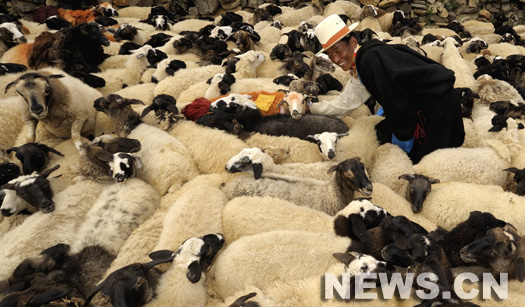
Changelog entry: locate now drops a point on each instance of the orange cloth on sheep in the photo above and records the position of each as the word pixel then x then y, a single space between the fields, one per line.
pixel 78 16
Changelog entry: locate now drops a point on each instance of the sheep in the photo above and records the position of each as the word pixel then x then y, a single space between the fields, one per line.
pixel 49 100
pixel 219 85
pixel 34 189
pixel 119 78
pixel 174 154
pixel 244 216
pixel 184 78
pixel 10 121
pixel 34 234
pixel 472 165
pixel 337 193
pixel 10 35
pixel 418 188
pixel 295 17
pixel 34 156
pixel 125 280
pixel 131 33
pixel 357 217
pixel 188 272
pixel 388 163
pixel 297 150
pixel 501 249
pixel 107 159
pixel 492 90
pixel 452 60
pixel 247 64
pixel 282 249
pixel 202 140
pixel 461 198
pixel 516 183
pixel 118 210
pixel 256 161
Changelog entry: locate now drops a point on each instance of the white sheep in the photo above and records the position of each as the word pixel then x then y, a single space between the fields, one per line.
pixel 388 163
pixel 129 75
pixel 260 259
pixel 138 12
pixel 453 60
pixel 478 28
pixel 184 283
pixel 254 160
pixel 482 165
pixel 247 65
pixel 245 216
pixel 298 151
pixel 184 78
pixel 190 25
pixel 200 141
pixel 292 18
pixel 119 209
pixel 40 231
pixel 195 213
pixel 61 102
pixel 167 162
pixel 492 90
pixel 10 121
pixel 451 203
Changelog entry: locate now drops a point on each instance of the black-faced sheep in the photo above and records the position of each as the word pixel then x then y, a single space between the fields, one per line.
pixel 418 188
pixel 34 189
pixel 502 249
pixel 357 217
pixel 517 182
pixel 34 156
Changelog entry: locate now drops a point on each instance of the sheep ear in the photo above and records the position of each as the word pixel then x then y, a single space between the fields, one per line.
pixel 344 258
pixel 47 297
pixel 341 226
pixel 257 170
pixel 358 227
pixel 8 151
pixel 56 76
pixel 94 292
pixel 240 302
pixel 49 171
pixel 160 254
pixel 333 169
pixel 146 111
pixel 407 177
pixel 312 138
pixel 194 272
pixel 510 169
pixel 135 101
pixel 7 186
pixel 432 180
pixel 104 156
pixel 340 135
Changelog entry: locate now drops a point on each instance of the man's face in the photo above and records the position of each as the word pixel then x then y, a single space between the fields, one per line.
pixel 342 54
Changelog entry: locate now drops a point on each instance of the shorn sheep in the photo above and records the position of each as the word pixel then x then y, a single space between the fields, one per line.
pixel 62 103
pixel 328 196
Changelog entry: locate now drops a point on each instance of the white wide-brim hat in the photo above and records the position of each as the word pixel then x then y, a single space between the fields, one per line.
pixel 331 30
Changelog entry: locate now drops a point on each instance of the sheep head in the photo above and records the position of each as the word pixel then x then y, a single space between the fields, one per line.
pixel 296 104
pixel 37 91
pixel 357 217
pixel 502 249
pixel 34 156
pixel 419 187
pixel 34 189
pixel 249 160
pixel 352 176
pixel 327 142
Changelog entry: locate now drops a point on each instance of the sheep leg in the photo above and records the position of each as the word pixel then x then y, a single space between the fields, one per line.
pixel 76 129
pixel 31 128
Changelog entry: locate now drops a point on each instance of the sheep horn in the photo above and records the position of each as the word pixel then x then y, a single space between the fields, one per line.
pixel 10 85
pixel 146 111
pixel 520 257
pixel 406 177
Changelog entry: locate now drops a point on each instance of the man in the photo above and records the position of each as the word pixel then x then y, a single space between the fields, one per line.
pixel 421 108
